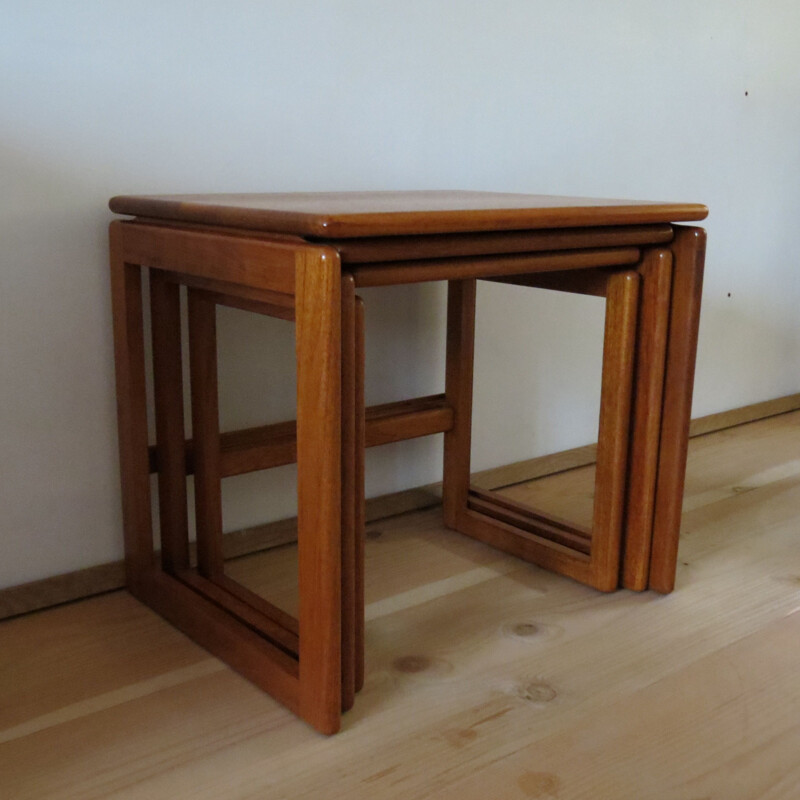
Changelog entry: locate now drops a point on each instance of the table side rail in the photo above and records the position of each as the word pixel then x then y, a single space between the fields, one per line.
pixel 417 271
pixel 442 245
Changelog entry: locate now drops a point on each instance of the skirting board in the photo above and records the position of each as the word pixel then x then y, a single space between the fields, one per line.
pixel 38 595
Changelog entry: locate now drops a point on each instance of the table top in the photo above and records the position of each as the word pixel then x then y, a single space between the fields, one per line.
pixel 328 215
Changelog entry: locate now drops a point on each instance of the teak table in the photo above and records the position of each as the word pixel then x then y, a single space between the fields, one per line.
pixel 301 258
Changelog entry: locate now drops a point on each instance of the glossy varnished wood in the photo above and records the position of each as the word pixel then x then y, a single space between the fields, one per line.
pixel 260 301
pixel 232 640
pixel 407 419
pixel 298 662
pixel 247 607
pixel 404 248
pixel 351 496
pixel 258 263
pixel 275 445
pixel 165 316
pixel 245 251
pixel 688 252
pixel 486 678
pixel 543 525
pixel 524 531
pixel 129 360
pixel 348 214
pixel 589 282
pixel 205 426
pixel 651 340
pixel 656 272
pixel 394 273
pixel 359 498
pixel 92 581
pixel 318 332
pixel 619 348
pixel 460 351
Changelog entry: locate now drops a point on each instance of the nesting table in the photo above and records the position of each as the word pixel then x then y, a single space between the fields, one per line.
pixel 301 258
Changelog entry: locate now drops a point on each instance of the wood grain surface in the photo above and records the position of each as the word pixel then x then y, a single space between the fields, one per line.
pixel 165 318
pixel 688 254
pixel 205 426
pixel 91 581
pixel 319 501
pixel 651 350
pixel 346 214
pixel 485 677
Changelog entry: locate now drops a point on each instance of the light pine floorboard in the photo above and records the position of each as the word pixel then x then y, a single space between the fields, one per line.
pixel 486 677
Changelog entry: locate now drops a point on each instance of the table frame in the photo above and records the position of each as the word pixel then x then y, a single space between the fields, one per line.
pixel 314 665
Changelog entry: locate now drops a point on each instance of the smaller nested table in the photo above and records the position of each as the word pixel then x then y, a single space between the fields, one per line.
pixel 301 258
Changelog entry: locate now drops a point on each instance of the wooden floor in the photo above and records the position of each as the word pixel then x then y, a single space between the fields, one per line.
pixel 487 678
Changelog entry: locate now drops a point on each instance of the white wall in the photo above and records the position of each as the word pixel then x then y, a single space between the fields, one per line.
pixel 681 100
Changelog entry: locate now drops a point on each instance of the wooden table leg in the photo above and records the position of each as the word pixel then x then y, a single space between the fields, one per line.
pixel 205 433
pixel 460 353
pixel 299 663
pixel 126 297
pixel 613 435
pixel 656 272
pixel 590 556
pixel 359 523
pixel 318 332
pixel 350 498
pixel 165 315
pixel 353 447
pixel 688 251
